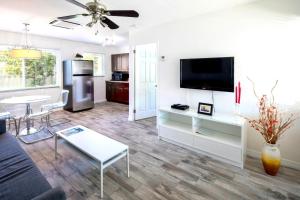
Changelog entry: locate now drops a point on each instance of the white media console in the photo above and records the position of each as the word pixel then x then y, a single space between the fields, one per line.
pixel 220 136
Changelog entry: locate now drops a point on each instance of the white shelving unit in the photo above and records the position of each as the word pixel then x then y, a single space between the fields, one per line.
pixel 221 136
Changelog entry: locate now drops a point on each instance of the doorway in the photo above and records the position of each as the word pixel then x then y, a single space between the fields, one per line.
pixel 145 81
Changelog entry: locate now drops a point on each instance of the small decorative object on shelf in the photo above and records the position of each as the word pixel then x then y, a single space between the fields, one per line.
pixel 271 124
pixel 205 108
pixel 238 93
pixel 180 106
pixel 79 56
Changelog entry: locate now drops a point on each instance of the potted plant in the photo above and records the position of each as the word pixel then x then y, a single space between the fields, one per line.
pixel 271 124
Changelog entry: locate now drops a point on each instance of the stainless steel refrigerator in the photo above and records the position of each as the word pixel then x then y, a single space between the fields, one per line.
pixel 78 79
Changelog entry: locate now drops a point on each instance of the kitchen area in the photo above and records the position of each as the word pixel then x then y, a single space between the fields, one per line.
pixel 117 89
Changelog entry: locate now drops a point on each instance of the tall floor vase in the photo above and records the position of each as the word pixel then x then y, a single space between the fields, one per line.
pixel 271 158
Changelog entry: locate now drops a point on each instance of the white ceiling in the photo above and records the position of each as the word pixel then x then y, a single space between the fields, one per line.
pixel 40 12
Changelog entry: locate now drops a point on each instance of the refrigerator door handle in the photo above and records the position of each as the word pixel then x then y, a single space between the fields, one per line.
pixel 92 88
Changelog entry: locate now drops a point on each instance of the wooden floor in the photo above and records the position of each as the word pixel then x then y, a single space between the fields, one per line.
pixel 159 170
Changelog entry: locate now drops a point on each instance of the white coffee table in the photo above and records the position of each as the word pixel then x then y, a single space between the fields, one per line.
pixel 101 148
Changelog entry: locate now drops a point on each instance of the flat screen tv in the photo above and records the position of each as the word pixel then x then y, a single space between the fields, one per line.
pixel 208 73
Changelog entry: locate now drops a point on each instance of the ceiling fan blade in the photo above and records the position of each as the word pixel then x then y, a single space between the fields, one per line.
pixel 71 16
pixel 68 17
pixel 78 4
pixel 109 23
pixel 122 13
pixel 52 22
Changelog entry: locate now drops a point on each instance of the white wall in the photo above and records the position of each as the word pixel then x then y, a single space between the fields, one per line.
pixel 67 49
pixel 264 39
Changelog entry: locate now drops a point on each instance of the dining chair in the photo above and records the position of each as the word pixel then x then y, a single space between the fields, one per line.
pixel 42 132
pixel 62 101
pixel 4 115
pixel 38 115
pixel 17 114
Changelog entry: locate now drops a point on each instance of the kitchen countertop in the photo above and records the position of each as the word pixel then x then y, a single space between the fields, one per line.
pixel 119 81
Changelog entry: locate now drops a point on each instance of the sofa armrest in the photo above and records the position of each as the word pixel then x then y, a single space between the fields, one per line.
pixel 53 194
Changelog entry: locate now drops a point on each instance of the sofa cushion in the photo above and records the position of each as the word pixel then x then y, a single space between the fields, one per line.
pixel 20 179
pixel 53 194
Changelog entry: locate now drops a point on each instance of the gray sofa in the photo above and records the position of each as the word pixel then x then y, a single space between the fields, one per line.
pixel 20 179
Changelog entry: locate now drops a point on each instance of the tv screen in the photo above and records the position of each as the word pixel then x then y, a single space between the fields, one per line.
pixel 208 73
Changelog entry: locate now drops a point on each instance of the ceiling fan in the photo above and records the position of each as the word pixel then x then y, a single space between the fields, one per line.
pixel 99 13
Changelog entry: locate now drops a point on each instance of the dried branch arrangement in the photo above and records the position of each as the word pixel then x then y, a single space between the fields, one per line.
pixel 271 124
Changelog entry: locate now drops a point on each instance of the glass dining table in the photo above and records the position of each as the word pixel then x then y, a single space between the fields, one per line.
pixel 28 101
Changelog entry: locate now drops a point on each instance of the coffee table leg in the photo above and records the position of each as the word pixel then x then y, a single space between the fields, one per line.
pixel 101 180
pixel 55 146
pixel 127 163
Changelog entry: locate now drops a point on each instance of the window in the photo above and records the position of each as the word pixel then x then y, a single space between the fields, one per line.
pixel 98 62
pixel 26 73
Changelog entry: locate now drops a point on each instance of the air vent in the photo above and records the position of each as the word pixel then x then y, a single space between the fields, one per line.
pixel 64 24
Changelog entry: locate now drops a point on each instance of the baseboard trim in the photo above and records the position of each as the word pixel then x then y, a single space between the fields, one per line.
pixel 284 162
pixel 130 117
pixel 100 101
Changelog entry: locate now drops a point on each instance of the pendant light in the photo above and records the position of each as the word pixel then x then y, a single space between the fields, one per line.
pixel 26 52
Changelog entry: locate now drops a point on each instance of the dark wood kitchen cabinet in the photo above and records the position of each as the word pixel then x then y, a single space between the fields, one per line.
pixel 117 91
pixel 120 62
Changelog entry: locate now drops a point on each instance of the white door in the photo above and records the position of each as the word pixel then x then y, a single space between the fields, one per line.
pixel 145 81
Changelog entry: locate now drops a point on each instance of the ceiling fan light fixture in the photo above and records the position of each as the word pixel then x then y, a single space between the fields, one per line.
pixel 109 41
pixel 90 24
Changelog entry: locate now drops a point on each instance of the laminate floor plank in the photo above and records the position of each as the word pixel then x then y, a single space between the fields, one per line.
pixel 159 170
pixel 147 193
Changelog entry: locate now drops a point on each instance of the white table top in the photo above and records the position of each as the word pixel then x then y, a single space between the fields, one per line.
pixel 25 99
pixel 94 144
